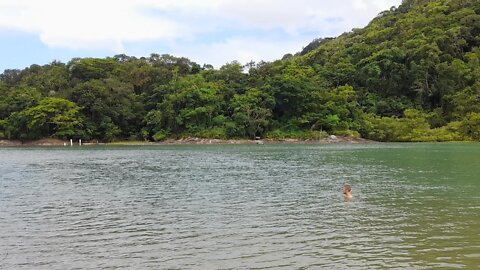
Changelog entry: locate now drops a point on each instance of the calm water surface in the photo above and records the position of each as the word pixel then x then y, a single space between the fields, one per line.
pixel 416 206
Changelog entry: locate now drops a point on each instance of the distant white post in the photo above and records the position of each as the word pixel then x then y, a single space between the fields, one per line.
pixel 71 142
pixel 80 142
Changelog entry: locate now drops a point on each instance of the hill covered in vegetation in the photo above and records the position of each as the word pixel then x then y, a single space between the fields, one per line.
pixel 413 74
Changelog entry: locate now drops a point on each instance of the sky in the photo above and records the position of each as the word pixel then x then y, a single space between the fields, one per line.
pixel 206 31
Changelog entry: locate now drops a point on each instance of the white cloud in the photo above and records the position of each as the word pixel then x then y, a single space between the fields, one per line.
pixel 86 23
pixel 240 49
pixel 360 4
pixel 109 24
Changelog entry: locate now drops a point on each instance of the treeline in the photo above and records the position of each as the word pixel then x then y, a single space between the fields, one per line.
pixel 413 74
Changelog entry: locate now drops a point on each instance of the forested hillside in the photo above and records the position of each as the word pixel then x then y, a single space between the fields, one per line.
pixel 413 74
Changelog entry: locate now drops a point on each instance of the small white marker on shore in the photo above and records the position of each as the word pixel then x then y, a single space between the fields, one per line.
pixel 80 142
pixel 71 142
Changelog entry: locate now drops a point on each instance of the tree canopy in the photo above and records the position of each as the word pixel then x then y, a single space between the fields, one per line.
pixel 412 74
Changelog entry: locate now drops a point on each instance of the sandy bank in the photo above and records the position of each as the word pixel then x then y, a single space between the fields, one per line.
pixel 10 143
pixel 42 142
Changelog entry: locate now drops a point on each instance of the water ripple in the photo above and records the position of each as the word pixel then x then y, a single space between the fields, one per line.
pixel 233 207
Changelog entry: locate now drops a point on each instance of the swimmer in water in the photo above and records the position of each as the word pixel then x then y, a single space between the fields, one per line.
pixel 347 191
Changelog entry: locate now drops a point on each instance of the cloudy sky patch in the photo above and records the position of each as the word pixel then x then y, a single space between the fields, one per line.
pixel 206 31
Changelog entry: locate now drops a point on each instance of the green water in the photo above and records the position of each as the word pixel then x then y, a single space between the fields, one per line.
pixel 415 206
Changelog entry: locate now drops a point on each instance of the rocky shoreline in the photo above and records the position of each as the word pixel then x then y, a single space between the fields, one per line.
pixel 42 142
pixel 193 141
pixel 330 140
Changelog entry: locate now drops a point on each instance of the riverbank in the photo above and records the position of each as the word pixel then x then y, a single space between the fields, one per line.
pixel 329 140
pixel 193 141
pixel 42 142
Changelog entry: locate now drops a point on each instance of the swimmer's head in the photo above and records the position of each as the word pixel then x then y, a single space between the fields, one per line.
pixel 347 188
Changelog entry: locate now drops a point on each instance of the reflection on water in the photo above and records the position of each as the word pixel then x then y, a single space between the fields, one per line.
pixel 228 207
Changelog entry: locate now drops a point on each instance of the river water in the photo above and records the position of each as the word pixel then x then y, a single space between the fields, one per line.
pixel 415 206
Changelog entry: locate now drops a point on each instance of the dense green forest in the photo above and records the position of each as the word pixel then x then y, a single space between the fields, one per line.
pixel 413 74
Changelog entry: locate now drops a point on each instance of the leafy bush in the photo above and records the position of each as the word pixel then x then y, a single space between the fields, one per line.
pixel 160 136
pixel 347 133
pixel 3 126
pixel 297 134
pixel 470 126
pixel 413 127
pixel 213 133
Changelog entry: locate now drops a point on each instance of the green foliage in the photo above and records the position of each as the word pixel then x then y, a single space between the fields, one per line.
pixel 49 80
pixel 17 99
pixel 55 117
pixel 252 111
pixel 111 108
pixel 278 134
pixel 91 68
pixel 413 127
pixel 213 133
pixel 470 126
pixel 189 105
pixel 314 45
pixel 293 89
pixel 466 101
pixel 333 110
pixel 413 74
pixel 160 136
pixel 348 133
pixel 3 128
